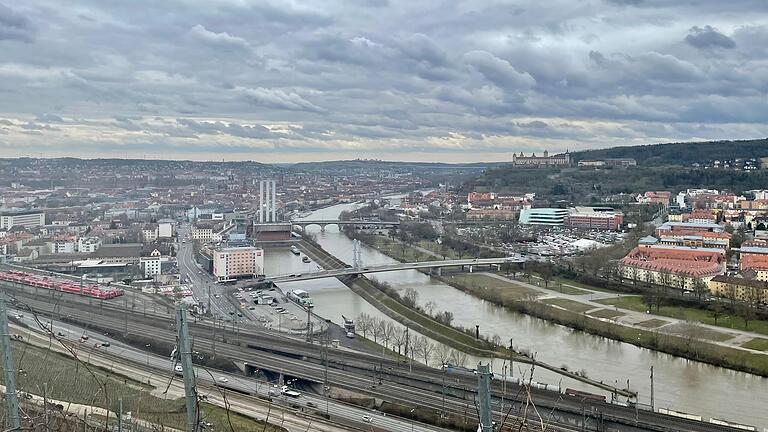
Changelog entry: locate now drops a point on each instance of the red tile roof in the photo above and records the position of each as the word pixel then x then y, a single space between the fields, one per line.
pixel 753 261
pixel 696 263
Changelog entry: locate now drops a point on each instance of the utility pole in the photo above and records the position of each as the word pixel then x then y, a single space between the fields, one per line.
pixel 9 370
pixel 326 387
pixel 214 336
pixel 185 353
pixel 125 313
pixel 120 415
pixel 484 394
pixel 309 321
pixel 652 406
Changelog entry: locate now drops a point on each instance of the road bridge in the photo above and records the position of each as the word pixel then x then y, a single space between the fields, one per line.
pixel 469 263
pixel 357 223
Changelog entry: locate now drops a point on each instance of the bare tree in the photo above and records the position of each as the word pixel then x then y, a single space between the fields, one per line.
pixel 398 339
pixel 546 271
pixel 700 288
pixel 496 340
pixel 389 331
pixel 364 322
pixel 442 353
pixel 378 328
pixel 410 297
pixel 459 358
pixel 425 349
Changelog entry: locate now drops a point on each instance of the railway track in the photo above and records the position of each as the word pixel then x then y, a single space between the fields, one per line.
pixel 346 369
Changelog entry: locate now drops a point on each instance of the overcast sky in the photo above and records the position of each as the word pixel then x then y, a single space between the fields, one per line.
pixel 433 80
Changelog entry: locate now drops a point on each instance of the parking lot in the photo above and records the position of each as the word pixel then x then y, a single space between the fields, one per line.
pixel 272 309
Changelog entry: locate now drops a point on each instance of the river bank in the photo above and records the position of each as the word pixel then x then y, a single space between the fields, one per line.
pixel 688 347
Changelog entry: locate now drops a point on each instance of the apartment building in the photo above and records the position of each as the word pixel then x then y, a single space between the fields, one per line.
pixel 88 244
pixel 739 288
pixel 672 266
pixel 202 232
pixel 149 233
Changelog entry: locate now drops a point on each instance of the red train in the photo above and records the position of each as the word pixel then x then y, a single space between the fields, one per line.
pixel 63 285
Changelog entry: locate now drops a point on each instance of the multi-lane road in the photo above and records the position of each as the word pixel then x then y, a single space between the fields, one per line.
pixel 377 377
pixel 351 416
pixel 201 282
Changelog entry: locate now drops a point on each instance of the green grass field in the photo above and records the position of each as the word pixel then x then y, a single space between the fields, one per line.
pixel 607 313
pixel 570 305
pixel 652 323
pixel 506 290
pixel 758 344
pixel 635 303
pixel 696 331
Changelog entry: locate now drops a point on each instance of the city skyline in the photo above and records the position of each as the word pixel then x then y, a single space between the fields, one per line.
pixel 290 82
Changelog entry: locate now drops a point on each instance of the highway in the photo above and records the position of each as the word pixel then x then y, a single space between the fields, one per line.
pixel 162 369
pixel 360 372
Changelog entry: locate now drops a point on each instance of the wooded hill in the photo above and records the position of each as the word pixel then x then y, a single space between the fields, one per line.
pixel 681 153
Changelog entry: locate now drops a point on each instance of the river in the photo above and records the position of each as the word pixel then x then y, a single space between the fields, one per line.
pixel 680 384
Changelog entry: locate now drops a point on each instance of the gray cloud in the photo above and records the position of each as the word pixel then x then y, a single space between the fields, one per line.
pixel 707 37
pixel 14 26
pixel 390 77
pixel 220 40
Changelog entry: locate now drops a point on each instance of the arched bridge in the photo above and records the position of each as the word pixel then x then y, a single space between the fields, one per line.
pixel 470 263
pixel 358 223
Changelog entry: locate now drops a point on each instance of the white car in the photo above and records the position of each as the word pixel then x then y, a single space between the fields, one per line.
pixel 223 379
pixel 367 419
pixel 178 368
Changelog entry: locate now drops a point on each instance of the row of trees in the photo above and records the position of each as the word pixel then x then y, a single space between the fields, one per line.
pixel 399 339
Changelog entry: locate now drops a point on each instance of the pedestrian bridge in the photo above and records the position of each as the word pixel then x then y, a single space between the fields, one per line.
pixel 347 271
pixel 359 223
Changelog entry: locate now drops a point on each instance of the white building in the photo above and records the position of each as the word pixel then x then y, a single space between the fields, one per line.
pixel 152 264
pixel 680 200
pixel 88 244
pixel 202 233
pixel 149 233
pixel 62 246
pixel 166 228
pixel 26 219
pixel 237 262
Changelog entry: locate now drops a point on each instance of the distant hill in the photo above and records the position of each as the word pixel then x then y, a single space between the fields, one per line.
pixel 681 153
pixel 381 164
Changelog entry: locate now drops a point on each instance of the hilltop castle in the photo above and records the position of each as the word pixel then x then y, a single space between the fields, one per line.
pixel 562 159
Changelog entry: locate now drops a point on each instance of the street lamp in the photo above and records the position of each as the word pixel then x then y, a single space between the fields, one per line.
pixel 412 411
pixel 148 345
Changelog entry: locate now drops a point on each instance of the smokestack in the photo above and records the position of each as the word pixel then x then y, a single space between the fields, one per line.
pixel 261 201
pixel 274 207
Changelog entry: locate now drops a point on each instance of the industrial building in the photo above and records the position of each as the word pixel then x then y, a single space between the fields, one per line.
pixel 267 227
pixel 26 219
pixel 603 218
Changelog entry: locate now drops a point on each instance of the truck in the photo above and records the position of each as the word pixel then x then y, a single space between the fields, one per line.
pixel 300 297
pixel 285 391
pixel 349 327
